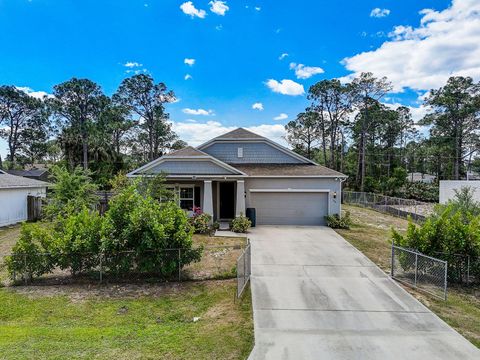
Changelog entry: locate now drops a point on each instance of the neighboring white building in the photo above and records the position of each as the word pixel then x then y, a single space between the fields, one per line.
pixel 448 187
pixel 13 196
pixel 419 177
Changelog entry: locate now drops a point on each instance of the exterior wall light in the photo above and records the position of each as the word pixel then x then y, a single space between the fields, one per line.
pixel 334 194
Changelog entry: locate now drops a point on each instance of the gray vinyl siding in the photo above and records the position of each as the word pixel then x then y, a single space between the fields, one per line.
pixel 176 167
pixel 253 153
pixel 298 183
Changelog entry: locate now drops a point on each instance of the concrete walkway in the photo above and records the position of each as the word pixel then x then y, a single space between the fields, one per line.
pixel 316 297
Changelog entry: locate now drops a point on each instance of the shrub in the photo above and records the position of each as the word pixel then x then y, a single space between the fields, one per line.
pixel 72 192
pixel 339 222
pixel 240 224
pixel 139 232
pixel 201 223
pixel 77 245
pixel 420 191
pixel 30 255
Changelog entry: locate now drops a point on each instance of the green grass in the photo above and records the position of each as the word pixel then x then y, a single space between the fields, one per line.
pixel 371 234
pixel 158 325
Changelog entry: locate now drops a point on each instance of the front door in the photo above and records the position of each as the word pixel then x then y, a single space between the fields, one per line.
pixel 227 200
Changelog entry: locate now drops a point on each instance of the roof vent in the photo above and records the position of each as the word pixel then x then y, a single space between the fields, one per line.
pixel 240 152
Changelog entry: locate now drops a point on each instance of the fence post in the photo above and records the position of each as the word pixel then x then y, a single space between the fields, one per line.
pixel 179 266
pixel 101 267
pixel 25 267
pixel 416 268
pixel 244 267
pixel 392 261
pixel 468 269
pixel 445 282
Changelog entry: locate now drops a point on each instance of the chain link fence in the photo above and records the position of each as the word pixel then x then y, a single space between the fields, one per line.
pixel 418 211
pixel 216 262
pixel 420 271
pixel 244 268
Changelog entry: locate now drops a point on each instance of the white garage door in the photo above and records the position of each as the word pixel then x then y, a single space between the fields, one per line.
pixel 290 208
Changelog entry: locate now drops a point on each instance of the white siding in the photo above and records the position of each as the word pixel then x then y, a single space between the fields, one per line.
pixel 448 187
pixel 13 204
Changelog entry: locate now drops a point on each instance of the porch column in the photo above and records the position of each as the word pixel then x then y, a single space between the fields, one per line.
pixel 240 203
pixel 207 197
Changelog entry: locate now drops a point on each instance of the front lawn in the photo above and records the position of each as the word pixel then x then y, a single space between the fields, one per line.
pixel 371 234
pixel 176 321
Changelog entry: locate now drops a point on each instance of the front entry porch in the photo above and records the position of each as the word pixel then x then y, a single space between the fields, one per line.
pixel 224 199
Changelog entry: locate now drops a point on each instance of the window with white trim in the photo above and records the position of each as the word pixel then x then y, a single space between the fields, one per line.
pixel 186 197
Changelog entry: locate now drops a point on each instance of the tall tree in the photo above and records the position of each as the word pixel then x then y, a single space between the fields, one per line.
pixel 369 90
pixel 333 102
pixel 77 104
pixel 303 133
pixel 18 112
pixel 456 110
pixel 146 101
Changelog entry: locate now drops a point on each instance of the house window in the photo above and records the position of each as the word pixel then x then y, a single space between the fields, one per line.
pixel 186 198
pixel 240 152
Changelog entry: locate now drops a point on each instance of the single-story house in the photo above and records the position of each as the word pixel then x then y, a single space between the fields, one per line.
pixel 416 177
pixel 240 170
pixel 40 174
pixel 14 191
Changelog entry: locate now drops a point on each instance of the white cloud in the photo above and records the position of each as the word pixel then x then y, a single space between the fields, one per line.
pixel 198 111
pixel 132 64
pixel 257 106
pixel 219 27
pixel 188 77
pixel 189 9
pixel 281 116
pixel 446 43
pixel 379 13
pixel 189 62
pixel 258 8
pixel 285 87
pixel 305 72
pixel 196 133
pixel 283 56
pixel 32 93
pixel 218 7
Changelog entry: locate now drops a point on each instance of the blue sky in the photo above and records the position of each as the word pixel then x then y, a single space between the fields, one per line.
pixel 237 48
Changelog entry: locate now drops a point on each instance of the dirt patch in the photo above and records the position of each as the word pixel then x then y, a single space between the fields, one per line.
pixel 81 292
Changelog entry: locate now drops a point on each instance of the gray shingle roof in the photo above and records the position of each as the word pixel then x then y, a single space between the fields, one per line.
pixel 240 133
pixel 27 173
pixel 187 151
pixel 287 170
pixel 8 181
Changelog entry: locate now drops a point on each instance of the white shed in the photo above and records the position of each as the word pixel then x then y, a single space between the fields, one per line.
pixel 14 191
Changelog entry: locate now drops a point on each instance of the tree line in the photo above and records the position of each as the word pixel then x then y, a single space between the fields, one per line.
pixel 81 126
pixel 347 128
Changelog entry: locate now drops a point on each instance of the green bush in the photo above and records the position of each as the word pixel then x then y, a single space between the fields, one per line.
pixel 139 234
pixel 240 224
pixel 77 245
pixel 339 222
pixel 30 255
pixel 201 223
pixel 136 234
pixel 420 191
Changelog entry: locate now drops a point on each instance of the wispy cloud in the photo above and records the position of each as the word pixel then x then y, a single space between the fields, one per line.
pixel 218 7
pixel 132 64
pixel 33 93
pixel 189 62
pixel 257 106
pixel 187 77
pixel 198 112
pixel 379 13
pixel 305 72
pixel 280 117
pixel 285 87
pixel 189 9
pixel 282 56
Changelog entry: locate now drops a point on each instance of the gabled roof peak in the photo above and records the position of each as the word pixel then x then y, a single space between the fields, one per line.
pixel 186 151
pixel 239 133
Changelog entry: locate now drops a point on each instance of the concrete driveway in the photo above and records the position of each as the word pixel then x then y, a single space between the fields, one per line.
pixel 317 297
